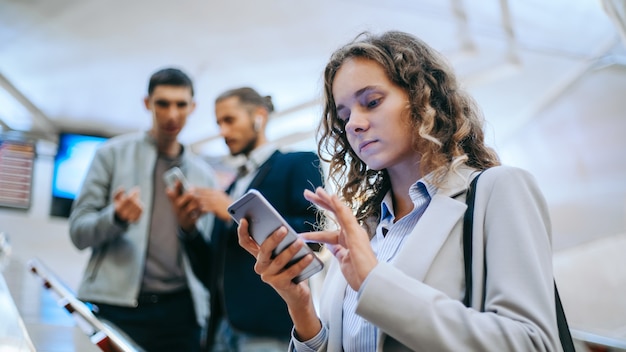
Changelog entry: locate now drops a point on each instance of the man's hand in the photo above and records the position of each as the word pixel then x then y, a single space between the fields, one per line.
pixel 213 201
pixel 128 207
pixel 186 207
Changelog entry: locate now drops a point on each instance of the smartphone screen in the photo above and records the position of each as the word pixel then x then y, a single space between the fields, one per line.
pixel 263 219
pixel 175 174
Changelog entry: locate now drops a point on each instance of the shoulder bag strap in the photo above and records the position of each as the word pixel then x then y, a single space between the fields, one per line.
pixel 468 219
pixel 564 332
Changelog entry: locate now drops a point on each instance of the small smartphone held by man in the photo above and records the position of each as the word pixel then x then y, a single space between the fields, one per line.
pixel 175 174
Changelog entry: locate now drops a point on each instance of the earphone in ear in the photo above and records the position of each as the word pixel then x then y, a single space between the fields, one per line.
pixel 257 122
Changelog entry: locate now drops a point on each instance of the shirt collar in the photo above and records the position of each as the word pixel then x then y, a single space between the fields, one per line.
pixel 259 156
pixel 150 139
pixel 420 189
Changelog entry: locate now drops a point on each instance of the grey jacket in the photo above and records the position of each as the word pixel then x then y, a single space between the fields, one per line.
pixel 114 272
pixel 416 299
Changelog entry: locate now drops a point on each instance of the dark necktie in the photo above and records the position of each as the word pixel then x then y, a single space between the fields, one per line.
pixel 242 171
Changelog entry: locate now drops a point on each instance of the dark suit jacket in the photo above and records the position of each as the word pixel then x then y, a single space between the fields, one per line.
pixel 237 292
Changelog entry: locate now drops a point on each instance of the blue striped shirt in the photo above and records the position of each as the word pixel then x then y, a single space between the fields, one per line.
pixel 358 334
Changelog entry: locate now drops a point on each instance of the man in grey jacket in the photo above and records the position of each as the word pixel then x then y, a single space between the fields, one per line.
pixel 138 275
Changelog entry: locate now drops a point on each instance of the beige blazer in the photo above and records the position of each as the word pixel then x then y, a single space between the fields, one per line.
pixel 416 299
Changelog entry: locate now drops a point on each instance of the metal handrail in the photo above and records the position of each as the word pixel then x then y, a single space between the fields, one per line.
pixel 100 333
pixel 614 344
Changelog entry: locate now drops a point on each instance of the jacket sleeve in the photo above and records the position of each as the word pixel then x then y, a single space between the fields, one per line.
pixel 519 308
pixel 92 222
pixel 305 173
pixel 198 250
pixel 198 244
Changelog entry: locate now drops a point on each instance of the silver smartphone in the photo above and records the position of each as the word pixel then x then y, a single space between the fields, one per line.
pixel 263 219
pixel 172 175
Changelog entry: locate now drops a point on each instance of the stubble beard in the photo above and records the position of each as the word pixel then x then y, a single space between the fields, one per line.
pixel 249 147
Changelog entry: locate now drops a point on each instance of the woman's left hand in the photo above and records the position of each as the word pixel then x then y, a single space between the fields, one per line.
pixel 350 244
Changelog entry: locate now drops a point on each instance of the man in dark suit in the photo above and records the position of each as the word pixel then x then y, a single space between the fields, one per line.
pixel 246 313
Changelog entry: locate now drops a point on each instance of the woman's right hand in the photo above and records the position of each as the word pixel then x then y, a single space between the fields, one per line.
pixel 273 272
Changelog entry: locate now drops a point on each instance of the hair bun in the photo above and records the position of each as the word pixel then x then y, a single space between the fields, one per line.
pixel 268 103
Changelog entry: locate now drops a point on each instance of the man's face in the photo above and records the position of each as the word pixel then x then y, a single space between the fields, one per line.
pixel 170 106
pixel 236 126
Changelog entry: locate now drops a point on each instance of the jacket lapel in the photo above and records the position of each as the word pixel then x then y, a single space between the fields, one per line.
pixel 430 233
pixel 264 170
pixel 434 227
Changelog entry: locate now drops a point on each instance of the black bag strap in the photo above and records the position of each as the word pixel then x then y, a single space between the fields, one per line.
pixel 468 220
pixel 564 332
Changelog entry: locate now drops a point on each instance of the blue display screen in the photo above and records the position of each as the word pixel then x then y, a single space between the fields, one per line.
pixel 71 163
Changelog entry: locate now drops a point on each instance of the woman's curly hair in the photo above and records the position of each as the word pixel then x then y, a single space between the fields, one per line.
pixel 446 120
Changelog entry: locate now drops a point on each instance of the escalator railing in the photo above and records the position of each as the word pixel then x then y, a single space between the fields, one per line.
pixel 101 333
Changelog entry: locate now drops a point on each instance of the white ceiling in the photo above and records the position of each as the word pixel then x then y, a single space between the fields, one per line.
pixel 541 76
pixel 85 64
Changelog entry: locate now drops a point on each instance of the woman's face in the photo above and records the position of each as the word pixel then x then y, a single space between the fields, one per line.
pixel 375 113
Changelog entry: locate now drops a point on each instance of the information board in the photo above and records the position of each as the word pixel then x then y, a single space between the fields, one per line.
pixel 16 173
